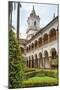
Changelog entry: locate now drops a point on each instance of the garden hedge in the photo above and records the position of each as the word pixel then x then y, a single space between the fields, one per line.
pixel 32 73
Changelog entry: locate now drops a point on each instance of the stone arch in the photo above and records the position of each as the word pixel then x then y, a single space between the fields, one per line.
pixel 36 43
pixel 40 60
pixel 54 58
pixel 53 53
pixel 32 45
pixel 40 41
pixel 46 59
pixel 40 55
pixel 22 49
pixel 52 34
pixel 45 53
pixel 45 38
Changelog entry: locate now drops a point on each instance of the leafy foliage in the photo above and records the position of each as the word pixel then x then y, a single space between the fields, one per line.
pixel 16 62
pixel 40 72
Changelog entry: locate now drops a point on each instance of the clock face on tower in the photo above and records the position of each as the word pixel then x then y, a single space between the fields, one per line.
pixel 34 23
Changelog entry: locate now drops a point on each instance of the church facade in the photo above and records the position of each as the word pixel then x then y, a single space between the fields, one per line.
pixel 41 50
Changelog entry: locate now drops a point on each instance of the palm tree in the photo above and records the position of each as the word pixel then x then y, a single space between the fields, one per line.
pixel 18 18
pixel 10 14
pixel 10 9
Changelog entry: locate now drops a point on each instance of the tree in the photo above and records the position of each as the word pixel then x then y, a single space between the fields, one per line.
pixel 18 18
pixel 16 62
pixel 10 9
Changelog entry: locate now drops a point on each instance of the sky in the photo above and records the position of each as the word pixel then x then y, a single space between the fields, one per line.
pixel 45 12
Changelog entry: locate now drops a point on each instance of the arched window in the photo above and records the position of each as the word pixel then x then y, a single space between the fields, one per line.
pixel 27 49
pixel 36 43
pixel 40 41
pixel 45 38
pixel 35 56
pixel 34 23
pixel 45 54
pixel 22 49
pixel 52 34
pixel 32 45
pixel 53 53
pixel 40 55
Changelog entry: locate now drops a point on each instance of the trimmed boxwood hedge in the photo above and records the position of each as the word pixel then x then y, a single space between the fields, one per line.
pixel 29 69
pixel 50 73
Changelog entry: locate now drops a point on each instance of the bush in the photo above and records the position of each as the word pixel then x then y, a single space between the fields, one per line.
pixel 51 74
pixel 39 73
pixel 29 69
pixel 30 74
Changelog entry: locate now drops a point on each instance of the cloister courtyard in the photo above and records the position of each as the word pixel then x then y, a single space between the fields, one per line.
pixel 34 60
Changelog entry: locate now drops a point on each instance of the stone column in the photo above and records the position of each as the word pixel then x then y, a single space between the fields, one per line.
pixel 57 34
pixel 48 38
pixel 34 63
pixel 31 63
pixel 42 41
pixel 28 63
pixel 50 61
pixel 38 63
pixel 43 64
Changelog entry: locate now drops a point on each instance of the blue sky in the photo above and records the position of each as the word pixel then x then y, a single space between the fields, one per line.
pixel 45 12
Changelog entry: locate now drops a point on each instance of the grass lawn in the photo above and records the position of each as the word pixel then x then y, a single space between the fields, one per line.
pixel 45 78
pixel 40 81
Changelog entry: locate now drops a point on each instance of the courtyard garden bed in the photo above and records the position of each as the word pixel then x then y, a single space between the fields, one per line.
pixel 40 77
pixel 41 72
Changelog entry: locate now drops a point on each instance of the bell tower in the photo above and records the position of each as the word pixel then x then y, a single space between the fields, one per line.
pixel 33 24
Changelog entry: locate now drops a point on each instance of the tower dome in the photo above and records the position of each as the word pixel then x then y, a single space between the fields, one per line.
pixel 33 24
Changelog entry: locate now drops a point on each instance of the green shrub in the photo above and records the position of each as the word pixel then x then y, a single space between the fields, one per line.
pixel 36 72
pixel 40 73
pixel 30 74
pixel 29 69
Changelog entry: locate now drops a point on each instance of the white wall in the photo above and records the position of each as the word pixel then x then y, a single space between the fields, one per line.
pixel 48 46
